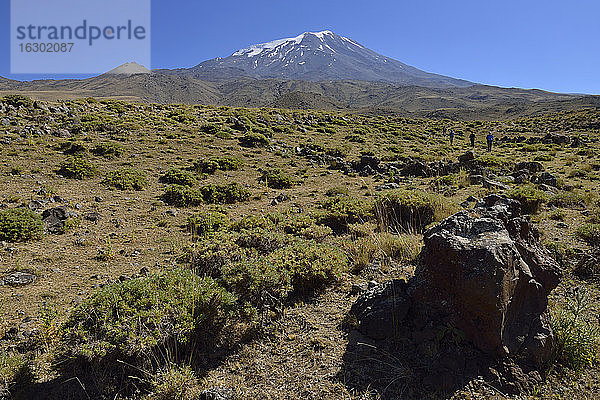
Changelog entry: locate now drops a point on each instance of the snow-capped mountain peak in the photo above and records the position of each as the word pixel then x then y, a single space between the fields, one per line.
pixel 316 56
pixel 256 49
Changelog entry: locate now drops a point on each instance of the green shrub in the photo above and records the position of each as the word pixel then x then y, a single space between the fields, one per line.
pixel 251 222
pixel 312 266
pixel 77 168
pixel 300 269
pixel 576 331
pixel 108 150
pixel 411 211
pixel 176 176
pixel 340 211
pixel 207 223
pixel 19 225
pixel 137 320
pixel 531 199
pixel 17 100
pixel 174 382
pixel 126 179
pixel 211 129
pixel 276 179
pixel 337 191
pixel 590 233
pixel 253 139
pixel 491 161
pixel 182 196
pixel 218 163
pixel 224 194
pixel 567 199
pixel 73 148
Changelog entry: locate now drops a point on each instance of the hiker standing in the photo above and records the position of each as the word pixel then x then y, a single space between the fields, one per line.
pixel 451 137
pixel 472 137
pixel 490 140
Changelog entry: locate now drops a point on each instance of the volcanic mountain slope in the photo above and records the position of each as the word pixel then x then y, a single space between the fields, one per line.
pixel 315 56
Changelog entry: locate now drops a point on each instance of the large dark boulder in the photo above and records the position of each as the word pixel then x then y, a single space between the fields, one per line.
pixel 483 272
pixel 487 274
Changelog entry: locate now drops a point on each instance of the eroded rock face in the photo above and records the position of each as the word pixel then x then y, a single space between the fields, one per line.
pixel 483 272
pixel 487 273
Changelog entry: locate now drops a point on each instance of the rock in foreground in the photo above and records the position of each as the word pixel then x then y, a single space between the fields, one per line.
pixel 483 272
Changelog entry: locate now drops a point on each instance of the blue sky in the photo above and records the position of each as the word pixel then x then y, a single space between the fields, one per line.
pixel 552 45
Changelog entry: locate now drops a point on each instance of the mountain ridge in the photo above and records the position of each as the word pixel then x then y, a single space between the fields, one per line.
pixel 315 57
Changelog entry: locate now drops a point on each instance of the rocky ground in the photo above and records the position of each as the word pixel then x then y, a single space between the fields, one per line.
pixel 119 193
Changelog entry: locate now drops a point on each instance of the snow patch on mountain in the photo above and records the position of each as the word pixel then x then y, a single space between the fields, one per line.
pixel 257 49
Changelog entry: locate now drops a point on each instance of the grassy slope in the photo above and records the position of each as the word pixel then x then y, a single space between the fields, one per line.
pixel 304 353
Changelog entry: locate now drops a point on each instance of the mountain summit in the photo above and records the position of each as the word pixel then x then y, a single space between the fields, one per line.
pixel 130 68
pixel 316 56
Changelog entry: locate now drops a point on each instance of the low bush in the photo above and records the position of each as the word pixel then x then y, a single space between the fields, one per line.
pixel 206 223
pixel 182 196
pixel 340 211
pixel 73 148
pixel 176 176
pixel 253 139
pixel 411 211
pixel 77 168
pixel 276 179
pixel 567 199
pixel 590 233
pixel 337 191
pixel 531 199
pixel 211 129
pixel 108 150
pixel 126 179
pixel 19 225
pixel 174 382
pixel 300 269
pixel 576 330
pixel 383 246
pixel 139 320
pixel 224 194
pixel 209 166
pixel 17 100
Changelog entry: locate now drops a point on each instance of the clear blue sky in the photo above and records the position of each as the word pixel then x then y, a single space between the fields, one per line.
pixel 547 44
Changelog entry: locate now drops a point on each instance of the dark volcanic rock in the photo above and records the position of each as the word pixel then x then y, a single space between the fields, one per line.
pixel 483 272
pixel 490 277
pixel 54 219
pixel 531 166
pixel 380 308
pixel 19 279
pixel 546 178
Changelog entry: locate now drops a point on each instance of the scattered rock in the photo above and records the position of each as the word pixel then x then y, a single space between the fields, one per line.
pixel 547 178
pixel 476 179
pixel 217 393
pixel 588 266
pixel 62 133
pixel 54 219
pixel 493 185
pixel 531 166
pixel 466 158
pixel 19 279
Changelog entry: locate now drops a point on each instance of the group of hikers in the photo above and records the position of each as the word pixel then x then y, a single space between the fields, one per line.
pixel 489 139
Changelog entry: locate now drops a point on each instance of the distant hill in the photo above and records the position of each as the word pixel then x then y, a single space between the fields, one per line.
pixel 315 70
pixel 131 68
